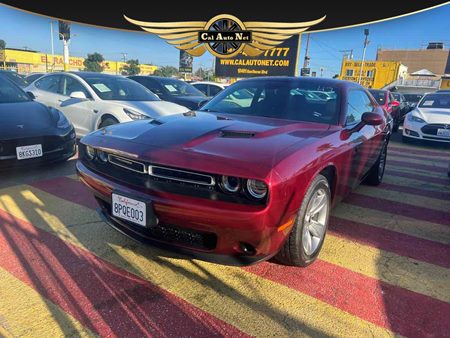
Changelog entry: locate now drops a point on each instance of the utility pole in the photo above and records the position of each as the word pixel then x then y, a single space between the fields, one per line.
pixel 307 58
pixel 347 54
pixel 124 56
pixel 366 42
pixel 53 45
pixel 64 35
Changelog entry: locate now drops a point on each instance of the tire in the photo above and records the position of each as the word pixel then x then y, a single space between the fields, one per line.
pixel 294 251
pixel 376 173
pixel 109 121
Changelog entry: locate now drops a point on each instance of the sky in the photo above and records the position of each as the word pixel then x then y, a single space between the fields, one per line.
pixel 20 30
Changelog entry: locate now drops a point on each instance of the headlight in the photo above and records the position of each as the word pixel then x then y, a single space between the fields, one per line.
pixel 102 156
pixel 61 120
pixel 134 115
pixel 413 118
pixel 256 189
pixel 230 184
pixel 90 152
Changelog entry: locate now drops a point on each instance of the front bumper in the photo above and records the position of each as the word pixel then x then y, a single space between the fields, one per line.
pixel 62 150
pixel 210 230
pixel 415 130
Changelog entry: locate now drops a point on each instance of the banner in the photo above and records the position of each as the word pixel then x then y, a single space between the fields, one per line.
pixel 186 61
pixel 278 61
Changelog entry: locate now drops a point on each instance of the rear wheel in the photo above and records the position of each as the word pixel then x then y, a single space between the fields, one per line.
pixel 109 121
pixel 376 173
pixel 307 236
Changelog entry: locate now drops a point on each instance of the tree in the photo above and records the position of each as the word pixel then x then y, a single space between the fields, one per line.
pixel 131 68
pixel 2 44
pixel 93 63
pixel 166 71
pixel 204 73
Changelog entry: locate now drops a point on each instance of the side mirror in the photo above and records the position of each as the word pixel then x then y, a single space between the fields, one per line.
pixel 372 119
pixel 78 95
pixel 31 95
pixel 202 103
pixel 395 103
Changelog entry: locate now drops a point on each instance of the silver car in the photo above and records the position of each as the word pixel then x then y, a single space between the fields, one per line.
pixel 94 100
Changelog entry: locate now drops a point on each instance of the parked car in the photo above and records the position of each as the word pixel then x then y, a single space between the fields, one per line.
pixel 240 181
pixel 403 106
pixel 209 88
pixel 173 90
pixel 412 100
pixel 430 120
pixel 14 77
pixel 389 104
pixel 30 132
pixel 33 77
pixel 94 100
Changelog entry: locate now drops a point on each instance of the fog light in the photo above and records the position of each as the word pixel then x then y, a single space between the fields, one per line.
pixel 230 184
pixel 256 189
pixel 90 152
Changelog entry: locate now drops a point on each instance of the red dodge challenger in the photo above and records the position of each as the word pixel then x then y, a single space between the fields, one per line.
pixel 252 175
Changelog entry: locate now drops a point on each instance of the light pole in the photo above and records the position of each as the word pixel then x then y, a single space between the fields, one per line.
pixel 366 42
pixel 52 45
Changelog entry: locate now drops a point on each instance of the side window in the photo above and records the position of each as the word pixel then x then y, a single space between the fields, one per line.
pixel 213 90
pixel 358 104
pixel 202 87
pixel 154 86
pixel 70 85
pixel 49 83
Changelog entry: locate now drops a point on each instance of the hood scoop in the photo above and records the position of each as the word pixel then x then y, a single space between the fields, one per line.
pixel 236 134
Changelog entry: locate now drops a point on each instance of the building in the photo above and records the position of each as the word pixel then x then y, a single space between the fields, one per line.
pixel 26 62
pixel 434 58
pixel 375 74
pixel 445 82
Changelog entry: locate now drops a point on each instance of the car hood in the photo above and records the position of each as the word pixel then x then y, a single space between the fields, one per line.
pixel 197 140
pixel 24 119
pixel 153 109
pixel 433 115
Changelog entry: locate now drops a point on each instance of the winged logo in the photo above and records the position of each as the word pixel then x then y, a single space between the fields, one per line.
pixel 225 36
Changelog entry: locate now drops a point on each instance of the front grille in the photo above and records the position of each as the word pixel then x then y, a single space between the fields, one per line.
pixel 169 233
pixel 49 144
pixel 166 173
pixel 431 129
pixel 180 175
pixel 127 163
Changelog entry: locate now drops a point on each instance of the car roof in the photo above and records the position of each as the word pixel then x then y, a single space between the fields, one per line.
pixel 313 80
pixel 210 83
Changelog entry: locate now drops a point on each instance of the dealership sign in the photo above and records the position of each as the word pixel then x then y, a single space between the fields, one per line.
pixel 186 61
pixel 278 61
pixel 225 36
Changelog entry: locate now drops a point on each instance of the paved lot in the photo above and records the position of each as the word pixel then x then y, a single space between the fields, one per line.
pixel 384 268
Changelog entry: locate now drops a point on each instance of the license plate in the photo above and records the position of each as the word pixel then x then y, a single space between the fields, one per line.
pixel 129 209
pixel 443 132
pixel 27 152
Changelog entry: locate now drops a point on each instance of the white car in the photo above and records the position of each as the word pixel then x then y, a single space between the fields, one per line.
pixel 95 100
pixel 209 88
pixel 430 120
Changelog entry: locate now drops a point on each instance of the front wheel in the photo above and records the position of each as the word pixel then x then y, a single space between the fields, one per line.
pixel 109 121
pixel 308 234
pixel 376 173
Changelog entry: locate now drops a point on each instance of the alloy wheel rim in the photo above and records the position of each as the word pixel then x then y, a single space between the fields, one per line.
pixel 315 222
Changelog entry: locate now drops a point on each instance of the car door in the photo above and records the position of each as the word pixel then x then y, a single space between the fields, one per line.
pixel 80 112
pixel 364 140
pixel 46 90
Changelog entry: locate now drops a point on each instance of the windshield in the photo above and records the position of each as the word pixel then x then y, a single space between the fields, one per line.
pixel 179 88
pixel 287 99
pixel 16 78
pixel 9 93
pixel 413 97
pixel 436 101
pixel 119 88
pixel 379 95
